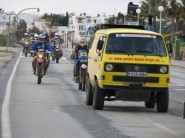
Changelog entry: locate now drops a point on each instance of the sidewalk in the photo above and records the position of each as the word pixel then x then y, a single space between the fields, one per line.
pixel 178 63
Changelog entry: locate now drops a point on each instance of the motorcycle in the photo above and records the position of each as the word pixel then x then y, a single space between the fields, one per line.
pixel 26 49
pixel 40 65
pixel 83 61
pixel 56 53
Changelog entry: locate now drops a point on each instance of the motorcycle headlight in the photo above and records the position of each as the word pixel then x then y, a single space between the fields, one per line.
pixel 40 56
pixel 163 69
pixel 84 66
pixel 109 67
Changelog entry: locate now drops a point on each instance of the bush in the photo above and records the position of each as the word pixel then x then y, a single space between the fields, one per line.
pixel 3 40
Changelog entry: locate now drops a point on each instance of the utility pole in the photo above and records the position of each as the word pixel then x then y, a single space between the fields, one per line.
pixel 8 33
pixel 149 13
pixel 67 38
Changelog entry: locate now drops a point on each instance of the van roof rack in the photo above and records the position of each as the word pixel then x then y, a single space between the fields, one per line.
pixel 106 26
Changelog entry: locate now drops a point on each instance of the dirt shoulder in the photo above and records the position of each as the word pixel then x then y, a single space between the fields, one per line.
pixel 6 56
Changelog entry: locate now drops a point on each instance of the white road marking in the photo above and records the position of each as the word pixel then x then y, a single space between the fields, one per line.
pixel 67 60
pixel 176 84
pixel 164 128
pixel 179 89
pixel 177 70
pixel 6 131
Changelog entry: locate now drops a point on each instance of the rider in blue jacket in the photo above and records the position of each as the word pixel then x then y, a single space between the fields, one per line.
pixel 40 44
pixel 81 47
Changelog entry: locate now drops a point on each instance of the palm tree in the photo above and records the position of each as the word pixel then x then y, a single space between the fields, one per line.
pixel 150 7
pixel 174 11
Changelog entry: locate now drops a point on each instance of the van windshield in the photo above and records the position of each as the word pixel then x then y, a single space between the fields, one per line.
pixel 136 44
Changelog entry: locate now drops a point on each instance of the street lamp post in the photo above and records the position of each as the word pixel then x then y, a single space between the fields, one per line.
pixel 160 8
pixel 17 16
pixel 138 11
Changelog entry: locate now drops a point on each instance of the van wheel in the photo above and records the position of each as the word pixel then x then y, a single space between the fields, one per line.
pixel 150 104
pixel 98 97
pixel 89 94
pixel 163 101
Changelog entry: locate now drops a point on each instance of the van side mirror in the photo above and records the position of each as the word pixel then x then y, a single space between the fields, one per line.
pixel 169 47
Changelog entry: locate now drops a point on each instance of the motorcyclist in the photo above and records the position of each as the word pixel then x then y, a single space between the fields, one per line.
pixel 46 35
pixel 55 41
pixel 80 46
pixel 40 44
pixel 26 40
pixel 36 36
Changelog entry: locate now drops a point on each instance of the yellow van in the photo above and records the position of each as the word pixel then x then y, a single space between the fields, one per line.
pixel 129 64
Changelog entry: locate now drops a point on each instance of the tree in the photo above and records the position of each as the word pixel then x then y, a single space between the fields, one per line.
pixel 21 29
pixel 175 11
pixel 153 4
pixel 34 30
pixel 57 19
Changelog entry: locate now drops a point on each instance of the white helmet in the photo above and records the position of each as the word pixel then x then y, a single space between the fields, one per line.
pixel 56 34
pixel 26 34
pixel 36 36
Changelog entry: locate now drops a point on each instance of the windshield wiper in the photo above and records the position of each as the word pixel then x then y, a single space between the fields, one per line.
pixel 150 53
pixel 157 54
pixel 115 51
pixel 144 51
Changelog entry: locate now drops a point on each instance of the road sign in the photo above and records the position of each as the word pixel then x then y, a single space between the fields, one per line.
pixel 149 28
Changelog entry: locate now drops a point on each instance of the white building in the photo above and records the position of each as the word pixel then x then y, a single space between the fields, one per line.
pixel 5 18
pixel 42 24
pixel 79 24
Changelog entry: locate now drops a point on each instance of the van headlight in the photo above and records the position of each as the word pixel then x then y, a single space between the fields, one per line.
pixel 163 69
pixel 109 67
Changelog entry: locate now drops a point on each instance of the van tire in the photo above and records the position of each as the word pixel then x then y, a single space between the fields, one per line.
pixel 150 104
pixel 98 97
pixel 162 101
pixel 89 94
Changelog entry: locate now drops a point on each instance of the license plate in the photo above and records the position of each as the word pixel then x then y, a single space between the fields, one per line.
pixel 57 49
pixel 83 54
pixel 137 74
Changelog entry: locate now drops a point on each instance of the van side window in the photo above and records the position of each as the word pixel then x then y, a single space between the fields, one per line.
pixel 98 40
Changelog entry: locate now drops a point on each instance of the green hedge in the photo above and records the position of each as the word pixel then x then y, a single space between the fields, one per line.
pixel 3 40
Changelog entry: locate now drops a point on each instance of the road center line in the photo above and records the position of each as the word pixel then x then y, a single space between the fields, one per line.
pixel 164 128
pixel 179 89
pixel 66 60
pixel 6 131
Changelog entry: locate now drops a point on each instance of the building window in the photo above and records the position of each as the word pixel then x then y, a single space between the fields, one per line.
pixel 80 27
pixel 79 20
pixel 88 21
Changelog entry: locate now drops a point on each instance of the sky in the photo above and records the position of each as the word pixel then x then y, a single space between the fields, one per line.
pixel 91 7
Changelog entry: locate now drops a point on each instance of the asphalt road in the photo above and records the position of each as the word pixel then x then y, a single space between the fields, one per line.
pixel 56 108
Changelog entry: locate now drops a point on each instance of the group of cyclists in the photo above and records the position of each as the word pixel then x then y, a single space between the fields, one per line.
pixel 47 42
